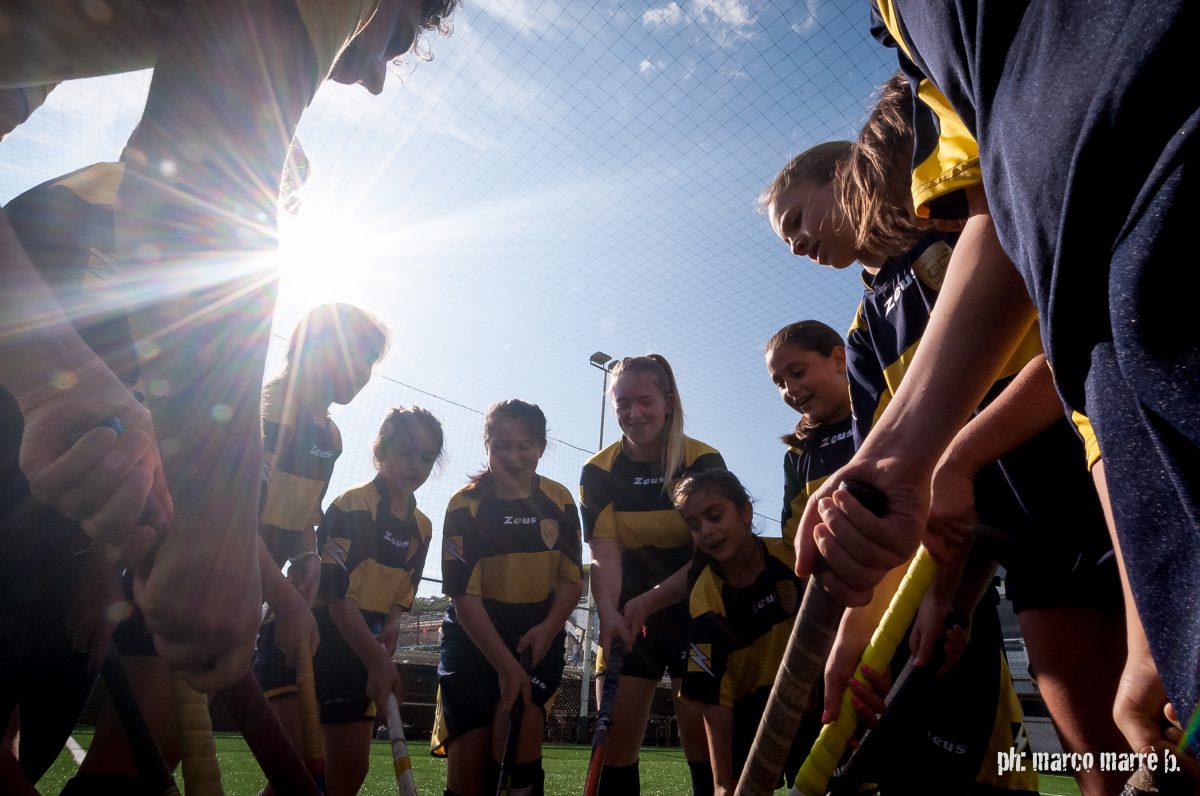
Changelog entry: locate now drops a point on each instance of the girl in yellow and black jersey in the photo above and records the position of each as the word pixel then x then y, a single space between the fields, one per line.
pixel 641 553
pixel 1016 468
pixel 511 565
pixel 374 541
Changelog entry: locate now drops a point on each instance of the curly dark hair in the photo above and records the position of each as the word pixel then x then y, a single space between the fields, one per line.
pixel 436 15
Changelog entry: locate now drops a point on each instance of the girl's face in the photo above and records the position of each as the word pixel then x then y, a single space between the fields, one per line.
pixel 807 218
pixel 389 34
pixel 811 383
pixel 719 528
pixel 348 372
pixel 641 407
pixel 513 452
pixel 407 463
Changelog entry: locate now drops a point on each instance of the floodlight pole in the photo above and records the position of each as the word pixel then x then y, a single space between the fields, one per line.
pixel 603 362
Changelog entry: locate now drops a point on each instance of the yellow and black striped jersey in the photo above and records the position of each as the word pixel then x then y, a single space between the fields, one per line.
pixel 512 553
pixel 629 501
pixel 806 468
pixel 370 555
pixel 890 322
pixel 77 266
pixel 736 640
pixel 299 451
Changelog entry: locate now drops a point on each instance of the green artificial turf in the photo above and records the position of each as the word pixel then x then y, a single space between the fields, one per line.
pixel 663 770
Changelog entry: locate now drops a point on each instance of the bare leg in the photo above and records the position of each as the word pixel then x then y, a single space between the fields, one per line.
pixel 691 727
pixel 630 717
pixel 287 708
pixel 347 756
pixel 467 758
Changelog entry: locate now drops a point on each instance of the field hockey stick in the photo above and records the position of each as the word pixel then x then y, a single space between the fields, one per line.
pixel 909 682
pixel 608 702
pixel 512 738
pixel 147 755
pixel 831 743
pixel 198 751
pixel 266 738
pixel 803 664
pixel 310 719
pixel 401 761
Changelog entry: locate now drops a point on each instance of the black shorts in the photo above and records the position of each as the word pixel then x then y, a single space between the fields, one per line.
pixel 340 675
pixel 274 676
pixel 470 689
pixel 282 544
pixel 662 646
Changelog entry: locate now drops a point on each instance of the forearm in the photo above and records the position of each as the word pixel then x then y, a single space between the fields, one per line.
pixel 978 571
pixel 482 632
pixel 350 623
pixel 718 726
pixel 983 310
pixel 1028 406
pixel 566 600
pixel 672 590
pixel 272 579
pixel 606 575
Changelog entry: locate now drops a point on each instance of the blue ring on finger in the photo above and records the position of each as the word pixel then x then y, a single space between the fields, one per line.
pixel 114 423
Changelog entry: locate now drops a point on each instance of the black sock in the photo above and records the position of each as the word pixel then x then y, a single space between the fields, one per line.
pixel 620 781
pixel 528 779
pixel 702 777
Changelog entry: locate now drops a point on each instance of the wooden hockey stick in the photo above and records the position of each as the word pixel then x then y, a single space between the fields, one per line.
pixel 198 751
pixel 401 761
pixel 802 665
pixel 608 702
pixel 266 738
pixel 310 719
pixel 147 755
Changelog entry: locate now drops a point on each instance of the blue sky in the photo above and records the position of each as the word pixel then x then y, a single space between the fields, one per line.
pixel 562 178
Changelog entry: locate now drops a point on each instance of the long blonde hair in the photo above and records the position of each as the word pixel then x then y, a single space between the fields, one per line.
pixel 674 441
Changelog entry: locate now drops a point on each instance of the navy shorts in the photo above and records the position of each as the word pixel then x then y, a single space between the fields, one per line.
pixel 470 688
pixel 662 646
pixel 274 676
pixel 341 678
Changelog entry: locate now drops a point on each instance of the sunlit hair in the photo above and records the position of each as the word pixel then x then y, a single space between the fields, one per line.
pixel 398 428
pixel 816 165
pixel 672 434
pixel 529 415
pixel 807 336
pixel 348 330
pixel 872 184
pixel 720 482
pixel 436 15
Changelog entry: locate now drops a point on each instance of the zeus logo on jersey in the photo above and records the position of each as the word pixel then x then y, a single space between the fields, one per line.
pixel 761 604
pixel 320 454
pixel 825 443
pixel 520 520
pixel 402 544
pixel 648 480
pixel 901 286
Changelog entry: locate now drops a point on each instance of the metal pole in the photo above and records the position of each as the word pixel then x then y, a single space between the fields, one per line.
pixel 587 639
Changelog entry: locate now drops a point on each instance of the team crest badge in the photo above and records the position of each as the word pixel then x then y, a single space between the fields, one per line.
pixel 549 529
pixel 789 597
pixel 930 267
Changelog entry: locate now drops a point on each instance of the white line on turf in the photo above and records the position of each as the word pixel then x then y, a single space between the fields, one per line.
pixel 75 749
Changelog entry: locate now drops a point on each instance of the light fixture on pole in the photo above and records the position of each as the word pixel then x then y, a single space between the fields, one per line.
pixel 603 362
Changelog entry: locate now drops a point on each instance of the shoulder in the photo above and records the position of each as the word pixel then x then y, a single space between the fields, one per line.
pixel 706 596
pixel 467 497
pixel 779 552
pixel 364 497
pixel 424 525
pixel 604 460
pixel 697 452
pixel 559 494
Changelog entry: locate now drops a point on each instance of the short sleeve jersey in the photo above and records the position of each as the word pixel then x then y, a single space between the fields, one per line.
pixel 736 639
pixel 370 555
pixel 627 501
pixel 806 467
pixel 299 451
pixel 512 553
pixel 76 266
pixel 890 322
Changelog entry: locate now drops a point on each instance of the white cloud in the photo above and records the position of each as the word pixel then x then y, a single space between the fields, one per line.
pixel 670 14
pixel 807 22
pixel 522 15
pixel 651 66
pixel 718 18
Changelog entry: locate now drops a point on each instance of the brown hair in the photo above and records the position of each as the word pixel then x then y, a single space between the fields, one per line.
pixel 530 415
pixel 656 365
pixel 807 336
pixel 817 165
pixel 872 185
pixel 722 482
pixel 397 427
pixel 349 330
